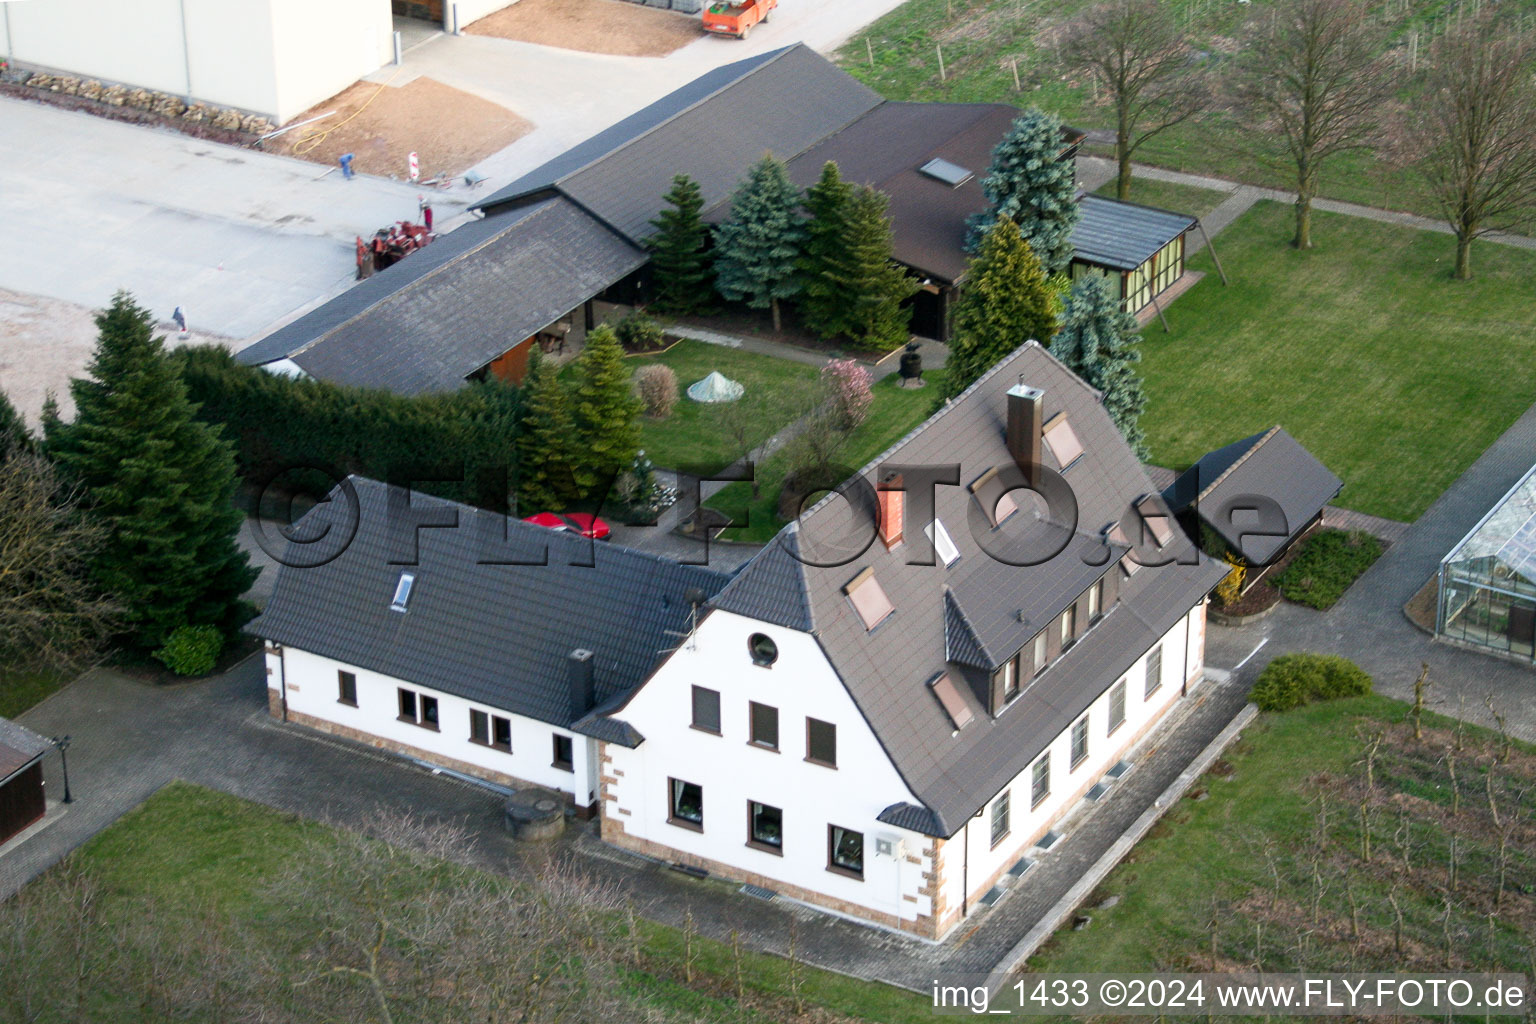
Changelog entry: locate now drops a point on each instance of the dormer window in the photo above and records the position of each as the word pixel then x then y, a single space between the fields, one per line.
pixel 868 599
pixel 403 592
pixel 943 544
pixel 1063 440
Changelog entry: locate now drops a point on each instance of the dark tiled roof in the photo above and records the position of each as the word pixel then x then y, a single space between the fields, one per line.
pixel 955 772
pixel 495 633
pixel 1271 464
pixel 19 747
pixel 777 591
pixel 713 129
pixel 961 644
pixel 1121 235
pixel 911 816
pixel 431 320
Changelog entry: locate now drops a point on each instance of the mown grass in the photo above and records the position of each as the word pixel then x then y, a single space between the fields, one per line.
pixel 1394 375
pixel 1167 195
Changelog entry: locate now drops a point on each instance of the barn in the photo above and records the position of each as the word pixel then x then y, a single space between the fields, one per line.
pixel 21 778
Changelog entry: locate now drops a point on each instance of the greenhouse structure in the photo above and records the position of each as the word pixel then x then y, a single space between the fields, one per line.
pixel 1487 591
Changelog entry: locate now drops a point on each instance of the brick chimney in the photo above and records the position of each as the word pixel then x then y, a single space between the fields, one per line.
pixel 1026 414
pixel 583 688
pixel 892 509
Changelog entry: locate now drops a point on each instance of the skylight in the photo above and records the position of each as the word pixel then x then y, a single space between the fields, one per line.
pixel 955 707
pixel 950 174
pixel 1154 517
pixel 997 503
pixel 869 599
pixel 1127 564
pixel 943 544
pixel 403 592
pixel 1063 440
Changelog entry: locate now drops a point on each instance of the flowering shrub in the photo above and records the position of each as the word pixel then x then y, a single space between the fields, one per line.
pixel 848 392
pixel 657 386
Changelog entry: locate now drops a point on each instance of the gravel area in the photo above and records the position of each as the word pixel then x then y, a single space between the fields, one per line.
pixel 594 26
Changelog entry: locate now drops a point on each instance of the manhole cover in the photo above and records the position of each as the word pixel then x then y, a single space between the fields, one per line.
pixel 545 805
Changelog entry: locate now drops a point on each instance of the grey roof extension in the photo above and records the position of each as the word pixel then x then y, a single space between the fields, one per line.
pixel 1123 236
pixel 20 747
pixel 476 626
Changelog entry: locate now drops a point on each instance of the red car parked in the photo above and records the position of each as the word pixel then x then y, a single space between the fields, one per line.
pixel 572 522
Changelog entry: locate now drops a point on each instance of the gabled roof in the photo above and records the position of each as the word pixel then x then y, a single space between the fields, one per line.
pixel 476 626
pixel 20 747
pixel 445 312
pixel 1270 464
pixel 713 129
pixel 954 772
pixel 1120 235
pixel 1507 532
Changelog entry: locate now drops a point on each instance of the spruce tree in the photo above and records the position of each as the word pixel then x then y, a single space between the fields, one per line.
pixel 161 483
pixel 545 439
pixel 1004 301
pixel 824 299
pixel 680 264
pixel 604 408
pixel 14 436
pixel 757 251
pixel 1098 342
pixel 870 285
pixel 1029 183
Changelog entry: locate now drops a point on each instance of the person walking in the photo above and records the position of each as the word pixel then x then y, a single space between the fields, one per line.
pixel 180 317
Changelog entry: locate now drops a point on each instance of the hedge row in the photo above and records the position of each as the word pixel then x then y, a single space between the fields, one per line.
pixel 1329 561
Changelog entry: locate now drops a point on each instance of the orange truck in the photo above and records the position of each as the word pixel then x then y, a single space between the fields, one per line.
pixel 737 19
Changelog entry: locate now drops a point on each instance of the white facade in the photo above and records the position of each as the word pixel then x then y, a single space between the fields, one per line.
pixel 309 686
pixel 271 57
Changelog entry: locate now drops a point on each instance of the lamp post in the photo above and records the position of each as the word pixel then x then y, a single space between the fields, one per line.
pixel 63 745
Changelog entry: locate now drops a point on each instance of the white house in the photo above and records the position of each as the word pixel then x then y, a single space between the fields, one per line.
pixel 881 713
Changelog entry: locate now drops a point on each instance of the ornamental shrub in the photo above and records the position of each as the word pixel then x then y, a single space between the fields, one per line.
pixel 1292 680
pixel 1330 560
pixel 848 392
pixel 192 650
pixel 639 333
pixel 656 385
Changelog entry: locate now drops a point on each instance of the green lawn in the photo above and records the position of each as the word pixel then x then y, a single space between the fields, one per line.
pixel 1262 820
pixel 982 40
pixel 692 435
pixel 894 412
pixel 1167 195
pixel 20 690
pixel 1391 373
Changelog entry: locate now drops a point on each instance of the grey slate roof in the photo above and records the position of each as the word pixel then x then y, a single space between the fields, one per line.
pixel 713 129
pixel 19 747
pixel 911 816
pixel 1272 464
pixel 955 773
pixel 431 320
pixel 1121 235
pixel 496 634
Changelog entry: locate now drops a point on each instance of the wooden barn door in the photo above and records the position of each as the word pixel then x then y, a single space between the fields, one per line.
pixel 21 801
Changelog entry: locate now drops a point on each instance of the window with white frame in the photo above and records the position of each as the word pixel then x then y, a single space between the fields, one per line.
pixel 1079 742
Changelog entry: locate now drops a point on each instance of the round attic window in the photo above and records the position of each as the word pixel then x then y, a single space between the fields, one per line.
pixel 763 650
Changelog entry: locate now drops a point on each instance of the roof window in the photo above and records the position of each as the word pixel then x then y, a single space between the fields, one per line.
pixel 943 544
pixel 869 599
pixel 1155 520
pixel 950 174
pixel 1063 440
pixel 996 502
pixel 1116 536
pixel 403 591
pixel 955 707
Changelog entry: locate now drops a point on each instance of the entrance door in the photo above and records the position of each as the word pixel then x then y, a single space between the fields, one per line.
pixel 425 10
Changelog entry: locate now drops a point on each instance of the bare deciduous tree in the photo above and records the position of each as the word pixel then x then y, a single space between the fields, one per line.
pixel 1313 88
pixel 1140 52
pixel 1472 135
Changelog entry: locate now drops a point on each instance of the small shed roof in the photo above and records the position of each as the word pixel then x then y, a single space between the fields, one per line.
pixel 19 748
pixel 1123 236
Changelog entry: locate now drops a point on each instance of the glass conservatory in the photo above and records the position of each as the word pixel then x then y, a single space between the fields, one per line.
pixel 1488 581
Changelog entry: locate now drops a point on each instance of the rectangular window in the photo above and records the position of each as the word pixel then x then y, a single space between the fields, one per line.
pixel 955 707
pixel 1041 654
pixel 845 851
pixel 1007 680
pixel 685 804
pixel 429 712
pixel 1040 780
pixel 1116 706
pixel 565 758
pixel 1155 520
pixel 402 596
pixel 943 544
pixel 997 503
pixel 479 727
pixel 821 742
pixel 1063 440
pixel 868 599
pixel 407 705
pixel 765 827
pixel 765 725
pixel 1069 627
pixel 706 709
pixel 1000 824
pixel 1079 742
pixel 1095 600
pixel 1155 670
pixel 501 733
pixel 346 685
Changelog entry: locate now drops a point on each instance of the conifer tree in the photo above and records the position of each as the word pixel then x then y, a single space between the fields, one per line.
pixel 604 408
pixel 14 435
pixel 757 251
pixel 1029 183
pixel 161 483
pixel 545 479
pixel 1098 342
pixel 1004 302
pixel 870 285
pixel 680 264
pixel 824 299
